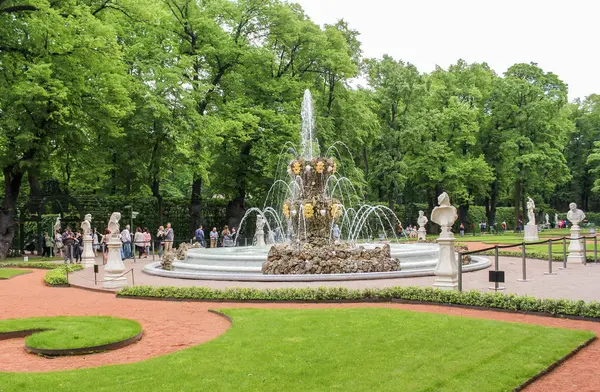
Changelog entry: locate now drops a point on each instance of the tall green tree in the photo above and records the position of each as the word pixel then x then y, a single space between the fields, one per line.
pixel 61 83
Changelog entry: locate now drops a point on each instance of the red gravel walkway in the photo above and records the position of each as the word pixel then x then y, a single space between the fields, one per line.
pixel 172 326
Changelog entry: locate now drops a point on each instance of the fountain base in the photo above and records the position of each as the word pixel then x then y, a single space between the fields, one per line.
pixel 303 259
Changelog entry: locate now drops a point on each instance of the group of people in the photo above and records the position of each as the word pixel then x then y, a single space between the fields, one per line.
pixel 409 232
pixel 226 238
pixel 68 244
pixel 141 241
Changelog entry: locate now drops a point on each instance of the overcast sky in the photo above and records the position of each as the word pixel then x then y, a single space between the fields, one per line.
pixel 561 36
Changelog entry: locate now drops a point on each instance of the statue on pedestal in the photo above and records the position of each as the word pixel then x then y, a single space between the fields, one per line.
pixel 555 220
pixel 575 216
pixel 446 270
pixel 113 271
pixel 87 257
pixel 530 211
pixel 259 237
pixel 547 220
pixel 422 221
pixel 531 229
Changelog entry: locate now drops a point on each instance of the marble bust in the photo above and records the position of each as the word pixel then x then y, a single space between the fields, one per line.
pixel 444 215
pixel 113 224
pixel 422 219
pixel 530 211
pixel 575 215
pixel 86 225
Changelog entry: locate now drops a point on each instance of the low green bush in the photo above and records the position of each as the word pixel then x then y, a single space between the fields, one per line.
pixel 29 264
pixel 420 294
pixel 58 276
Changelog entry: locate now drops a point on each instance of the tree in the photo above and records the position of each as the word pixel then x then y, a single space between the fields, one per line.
pixel 61 83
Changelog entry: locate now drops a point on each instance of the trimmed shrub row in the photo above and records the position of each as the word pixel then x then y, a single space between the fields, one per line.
pixel 29 264
pixel 422 294
pixel 58 276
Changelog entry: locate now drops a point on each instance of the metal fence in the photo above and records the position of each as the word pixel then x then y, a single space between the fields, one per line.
pixel 523 246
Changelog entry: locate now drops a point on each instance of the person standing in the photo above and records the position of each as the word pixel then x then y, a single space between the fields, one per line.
pixel 147 240
pixel 336 232
pixel 104 240
pixel 47 244
pixel 126 240
pixel 95 242
pixel 68 240
pixel 160 238
pixel 225 237
pixel 169 237
pixel 58 244
pixel 214 236
pixel 461 230
pixel 138 239
pixel 200 235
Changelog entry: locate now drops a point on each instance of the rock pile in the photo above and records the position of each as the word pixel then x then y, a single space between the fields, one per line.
pixel 302 259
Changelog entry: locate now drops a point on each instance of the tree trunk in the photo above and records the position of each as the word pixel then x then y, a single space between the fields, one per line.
pixel 491 205
pixel 196 202
pixel 517 201
pixel 236 210
pixel 12 185
pixel 35 196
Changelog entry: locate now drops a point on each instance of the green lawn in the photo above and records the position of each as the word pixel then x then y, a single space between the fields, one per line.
pixel 6 273
pixel 73 332
pixel 361 349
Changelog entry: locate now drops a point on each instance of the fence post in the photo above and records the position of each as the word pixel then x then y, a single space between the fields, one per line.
pixel 550 259
pixel 523 263
pixel 584 250
pixel 460 260
pixel 132 278
pixel 595 249
pixel 153 250
pixel 496 266
pixel 564 244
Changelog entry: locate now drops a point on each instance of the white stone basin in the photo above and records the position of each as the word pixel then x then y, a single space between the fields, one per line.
pixel 244 263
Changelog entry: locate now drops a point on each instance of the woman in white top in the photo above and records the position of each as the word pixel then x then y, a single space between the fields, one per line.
pixel 138 239
pixel 95 243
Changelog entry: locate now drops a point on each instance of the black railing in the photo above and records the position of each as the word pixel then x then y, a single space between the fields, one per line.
pixel 523 246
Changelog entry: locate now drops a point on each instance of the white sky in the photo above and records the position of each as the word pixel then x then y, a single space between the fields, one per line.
pixel 561 36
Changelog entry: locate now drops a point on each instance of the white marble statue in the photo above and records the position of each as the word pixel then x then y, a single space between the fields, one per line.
pixel 444 215
pixel 57 225
pixel 422 221
pixel 575 216
pixel 531 229
pixel 113 224
pixel 446 271
pixel 556 219
pixel 547 220
pixel 259 237
pixel 87 257
pixel 114 268
pixel 531 211
pixel 86 225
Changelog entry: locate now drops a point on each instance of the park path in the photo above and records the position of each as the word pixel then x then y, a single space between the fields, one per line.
pixel 172 326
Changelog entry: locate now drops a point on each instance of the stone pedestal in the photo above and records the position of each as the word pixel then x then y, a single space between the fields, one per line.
pixel 87 258
pixel 576 246
pixel 531 233
pixel 422 234
pixel 114 266
pixel 446 271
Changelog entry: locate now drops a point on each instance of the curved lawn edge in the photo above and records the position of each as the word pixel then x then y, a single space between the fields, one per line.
pixel 20 273
pixel 554 365
pixel 580 310
pixel 72 335
pixel 86 350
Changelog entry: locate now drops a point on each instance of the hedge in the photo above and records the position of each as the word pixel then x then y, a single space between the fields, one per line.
pixel 57 276
pixel 422 294
pixel 29 264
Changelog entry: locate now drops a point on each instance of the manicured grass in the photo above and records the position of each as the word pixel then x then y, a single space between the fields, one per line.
pixel 73 332
pixel 6 273
pixel 360 349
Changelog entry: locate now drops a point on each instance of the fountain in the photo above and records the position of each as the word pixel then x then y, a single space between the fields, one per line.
pixel 301 215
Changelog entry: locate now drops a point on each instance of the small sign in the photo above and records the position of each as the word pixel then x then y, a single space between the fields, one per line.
pixel 26 258
pixel 496 276
pixel 95 268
